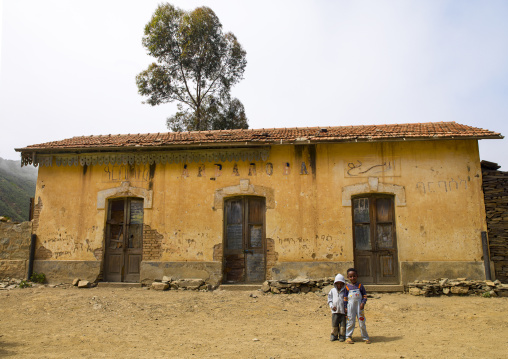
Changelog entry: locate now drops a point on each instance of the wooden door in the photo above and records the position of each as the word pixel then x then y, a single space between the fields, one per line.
pixel 374 239
pixel 124 240
pixel 244 240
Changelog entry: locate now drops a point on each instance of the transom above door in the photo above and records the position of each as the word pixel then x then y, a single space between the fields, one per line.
pixel 374 238
pixel 244 240
pixel 124 240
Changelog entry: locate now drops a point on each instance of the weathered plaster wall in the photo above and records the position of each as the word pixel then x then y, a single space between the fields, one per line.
pixel 443 213
pixel 308 218
pixel 14 249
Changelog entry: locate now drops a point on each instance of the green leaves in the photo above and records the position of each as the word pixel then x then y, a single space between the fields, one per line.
pixel 215 115
pixel 197 64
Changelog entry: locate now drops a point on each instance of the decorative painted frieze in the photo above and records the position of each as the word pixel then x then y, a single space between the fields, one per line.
pixel 200 156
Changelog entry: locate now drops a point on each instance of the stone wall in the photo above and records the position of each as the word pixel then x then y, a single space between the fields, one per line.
pixel 14 249
pixel 495 188
pixel 298 285
pixel 459 286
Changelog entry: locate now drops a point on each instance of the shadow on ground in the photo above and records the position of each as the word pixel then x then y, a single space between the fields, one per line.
pixel 381 339
pixel 6 349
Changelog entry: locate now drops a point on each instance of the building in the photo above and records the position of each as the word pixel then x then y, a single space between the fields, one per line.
pixel 398 202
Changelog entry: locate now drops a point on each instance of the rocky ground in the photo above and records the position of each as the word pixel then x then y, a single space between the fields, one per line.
pixel 67 322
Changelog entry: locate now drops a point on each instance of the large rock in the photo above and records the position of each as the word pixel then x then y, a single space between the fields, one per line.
pixel 190 284
pixel 160 286
pixel 84 284
pixel 304 289
pixel 459 290
pixel 299 280
pixel 416 291
pixel 281 284
pixel 265 287
pixel 502 290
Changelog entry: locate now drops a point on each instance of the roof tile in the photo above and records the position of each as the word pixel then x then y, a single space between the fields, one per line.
pixel 423 131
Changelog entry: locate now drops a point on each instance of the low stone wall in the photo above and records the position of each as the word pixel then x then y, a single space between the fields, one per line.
pixel 14 249
pixel 444 286
pixel 297 285
pixel 459 286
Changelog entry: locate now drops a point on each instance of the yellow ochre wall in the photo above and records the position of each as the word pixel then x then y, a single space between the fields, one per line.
pixel 439 210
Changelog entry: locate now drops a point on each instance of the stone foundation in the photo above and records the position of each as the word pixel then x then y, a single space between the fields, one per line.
pixel 412 271
pixel 284 270
pixel 60 271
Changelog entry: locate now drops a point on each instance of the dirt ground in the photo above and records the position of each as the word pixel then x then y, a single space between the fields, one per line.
pixel 100 322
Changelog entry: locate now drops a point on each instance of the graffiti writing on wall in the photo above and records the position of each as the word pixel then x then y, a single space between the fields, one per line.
pixel 301 240
pixel 141 173
pixel 367 167
pixel 133 173
pixel 444 186
pixel 61 245
pixel 220 170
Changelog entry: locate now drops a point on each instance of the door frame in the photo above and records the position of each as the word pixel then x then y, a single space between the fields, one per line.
pixel 246 248
pixel 126 252
pixel 376 254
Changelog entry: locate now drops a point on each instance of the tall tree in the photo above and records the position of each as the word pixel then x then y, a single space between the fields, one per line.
pixel 197 65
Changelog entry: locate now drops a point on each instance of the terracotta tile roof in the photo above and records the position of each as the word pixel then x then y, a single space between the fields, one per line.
pixel 232 138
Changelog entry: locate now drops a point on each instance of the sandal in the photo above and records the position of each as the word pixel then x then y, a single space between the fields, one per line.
pixel 349 341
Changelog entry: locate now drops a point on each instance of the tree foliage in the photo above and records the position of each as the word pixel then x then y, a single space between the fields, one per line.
pixel 197 65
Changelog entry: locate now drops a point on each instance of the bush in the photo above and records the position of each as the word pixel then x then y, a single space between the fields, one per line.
pixel 24 284
pixel 38 277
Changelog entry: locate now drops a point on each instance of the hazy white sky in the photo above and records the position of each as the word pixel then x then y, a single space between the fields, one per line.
pixel 68 68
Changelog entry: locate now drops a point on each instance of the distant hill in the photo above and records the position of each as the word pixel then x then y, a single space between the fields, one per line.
pixel 17 185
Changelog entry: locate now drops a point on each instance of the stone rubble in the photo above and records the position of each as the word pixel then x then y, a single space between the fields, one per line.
pixel 168 283
pixel 13 283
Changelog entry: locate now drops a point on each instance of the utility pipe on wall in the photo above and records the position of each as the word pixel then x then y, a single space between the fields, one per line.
pixel 31 256
pixel 486 256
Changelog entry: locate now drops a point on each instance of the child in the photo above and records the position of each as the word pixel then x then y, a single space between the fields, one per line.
pixel 356 297
pixel 336 303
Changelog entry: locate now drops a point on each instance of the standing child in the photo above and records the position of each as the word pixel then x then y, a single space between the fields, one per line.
pixel 336 303
pixel 356 297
